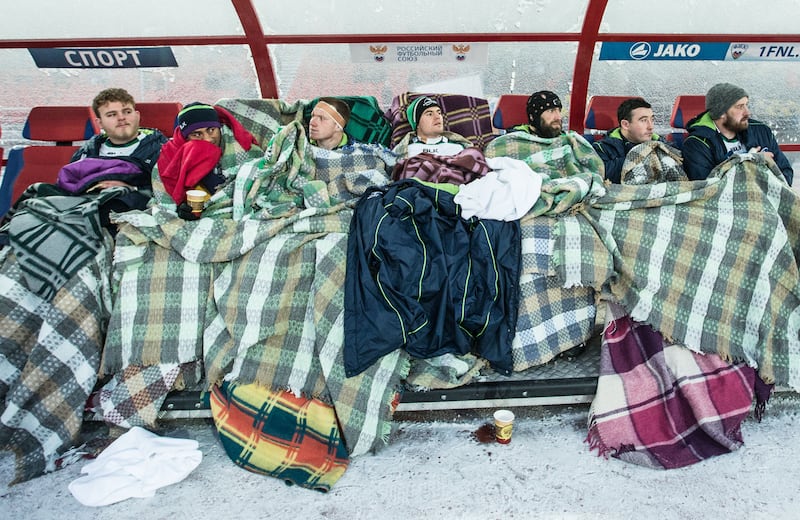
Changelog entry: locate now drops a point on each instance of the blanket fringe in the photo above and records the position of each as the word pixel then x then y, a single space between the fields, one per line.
pixel 763 391
pixel 596 443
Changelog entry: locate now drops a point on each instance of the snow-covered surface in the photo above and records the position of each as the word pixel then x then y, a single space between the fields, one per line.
pixel 434 467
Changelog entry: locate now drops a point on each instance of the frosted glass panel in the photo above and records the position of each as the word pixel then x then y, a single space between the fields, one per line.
pixel 392 16
pixel 700 16
pixel 117 18
pixel 203 73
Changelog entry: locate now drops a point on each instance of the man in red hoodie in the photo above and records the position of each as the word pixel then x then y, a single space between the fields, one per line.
pixel 207 141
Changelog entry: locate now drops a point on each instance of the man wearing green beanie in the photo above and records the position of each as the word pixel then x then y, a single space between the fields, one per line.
pixel 725 129
pixel 428 134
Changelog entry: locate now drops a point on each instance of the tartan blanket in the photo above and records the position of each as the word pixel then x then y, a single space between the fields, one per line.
pixel 278 434
pixel 571 169
pixel 712 265
pixel 263 117
pixel 367 124
pixel 555 313
pixel 257 299
pixel 466 166
pixel 652 162
pixel 49 356
pixel 662 405
pixel 54 234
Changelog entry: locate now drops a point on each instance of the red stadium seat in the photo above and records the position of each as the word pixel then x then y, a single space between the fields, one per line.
pixel 684 109
pixel 601 115
pixel 511 111
pixel 63 125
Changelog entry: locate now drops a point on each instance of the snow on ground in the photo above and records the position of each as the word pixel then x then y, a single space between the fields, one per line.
pixel 434 467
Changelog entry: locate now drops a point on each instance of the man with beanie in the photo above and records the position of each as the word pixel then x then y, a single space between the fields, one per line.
pixel 206 145
pixel 428 135
pixel 544 115
pixel 198 121
pixel 725 129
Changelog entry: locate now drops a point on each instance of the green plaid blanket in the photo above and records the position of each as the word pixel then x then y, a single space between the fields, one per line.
pixel 259 299
pixel 571 169
pixel 710 264
pixel 556 313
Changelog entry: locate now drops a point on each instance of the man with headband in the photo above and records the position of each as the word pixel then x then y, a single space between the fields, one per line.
pixel 328 119
pixel 544 115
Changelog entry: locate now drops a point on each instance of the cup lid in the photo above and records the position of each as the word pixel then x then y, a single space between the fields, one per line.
pixel 504 415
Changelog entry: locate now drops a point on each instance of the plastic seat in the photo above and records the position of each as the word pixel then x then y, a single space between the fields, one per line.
pixel 62 125
pixel 601 115
pixel 684 110
pixel 511 111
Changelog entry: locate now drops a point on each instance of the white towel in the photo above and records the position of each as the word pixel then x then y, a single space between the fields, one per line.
pixel 135 465
pixel 506 193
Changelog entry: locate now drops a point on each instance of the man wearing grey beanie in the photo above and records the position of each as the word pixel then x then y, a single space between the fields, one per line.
pixel 725 129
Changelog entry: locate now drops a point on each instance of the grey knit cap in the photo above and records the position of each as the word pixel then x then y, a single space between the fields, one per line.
pixel 721 97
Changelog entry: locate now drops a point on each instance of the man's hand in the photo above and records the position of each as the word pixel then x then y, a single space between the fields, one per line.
pixel 185 212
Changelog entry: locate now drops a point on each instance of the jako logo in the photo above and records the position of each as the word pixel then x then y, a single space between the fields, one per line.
pixel 640 50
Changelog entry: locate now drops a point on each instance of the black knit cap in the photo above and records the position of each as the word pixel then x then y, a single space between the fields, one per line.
pixel 538 103
pixel 197 115
pixel 417 107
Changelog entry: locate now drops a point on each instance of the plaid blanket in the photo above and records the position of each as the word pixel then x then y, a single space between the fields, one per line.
pixel 367 124
pixel 257 299
pixel 556 311
pixel 278 434
pixel 652 162
pixel 571 168
pixel 49 355
pixel 53 234
pixel 700 265
pixel 662 405
pixel 263 117
pixel 466 166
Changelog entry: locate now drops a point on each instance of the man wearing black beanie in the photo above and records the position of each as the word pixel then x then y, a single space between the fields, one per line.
pixel 725 129
pixel 544 114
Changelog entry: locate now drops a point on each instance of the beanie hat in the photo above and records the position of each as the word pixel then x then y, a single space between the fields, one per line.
pixel 417 107
pixel 197 115
pixel 538 103
pixel 721 97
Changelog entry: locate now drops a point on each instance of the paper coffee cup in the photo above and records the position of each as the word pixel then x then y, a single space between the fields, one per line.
pixel 196 200
pixel 503 424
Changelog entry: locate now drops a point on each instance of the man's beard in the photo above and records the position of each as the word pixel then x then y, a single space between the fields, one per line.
pixel 551 131
pixel 737 126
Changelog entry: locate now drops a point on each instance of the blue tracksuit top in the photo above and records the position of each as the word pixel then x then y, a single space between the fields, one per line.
pixel 422 278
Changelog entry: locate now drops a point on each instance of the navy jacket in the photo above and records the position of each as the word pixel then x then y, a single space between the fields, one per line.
pixel 704 148
pixel 145 155
pixel 612 149
pixel 421 277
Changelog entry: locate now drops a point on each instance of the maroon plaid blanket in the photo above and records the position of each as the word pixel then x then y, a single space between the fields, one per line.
pixel 462 168
pixel 662 405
